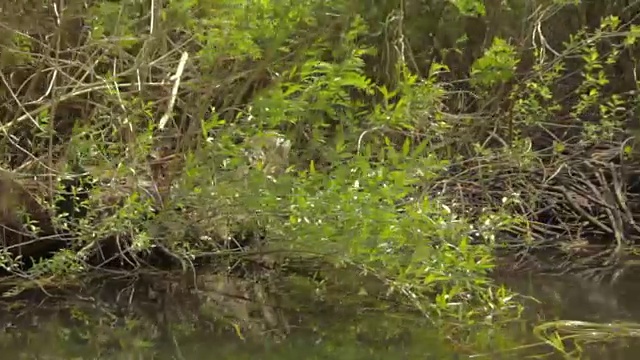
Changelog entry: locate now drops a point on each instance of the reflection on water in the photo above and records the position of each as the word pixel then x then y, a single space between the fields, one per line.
pixel 569 298
pixel 214 317
pixel 179 317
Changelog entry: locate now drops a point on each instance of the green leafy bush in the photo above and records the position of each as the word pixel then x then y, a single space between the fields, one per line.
pixel 374 135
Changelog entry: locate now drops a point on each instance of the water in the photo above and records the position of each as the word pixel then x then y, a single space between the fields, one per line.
pixel 179 317
pixel 587 304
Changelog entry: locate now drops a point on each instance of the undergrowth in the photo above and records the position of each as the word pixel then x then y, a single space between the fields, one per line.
pixel 134 135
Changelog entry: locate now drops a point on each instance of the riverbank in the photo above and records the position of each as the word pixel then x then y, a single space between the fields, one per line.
pixel 247 137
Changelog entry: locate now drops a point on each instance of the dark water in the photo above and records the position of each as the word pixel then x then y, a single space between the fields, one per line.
pixel 177 317
pixel 604 317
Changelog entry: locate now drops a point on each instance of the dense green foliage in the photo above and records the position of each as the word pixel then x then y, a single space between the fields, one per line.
pixel 410 140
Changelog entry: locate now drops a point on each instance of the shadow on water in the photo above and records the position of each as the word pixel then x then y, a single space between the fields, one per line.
pixel 167 316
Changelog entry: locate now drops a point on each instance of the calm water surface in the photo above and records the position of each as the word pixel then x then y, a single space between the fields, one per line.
pixel 223 319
